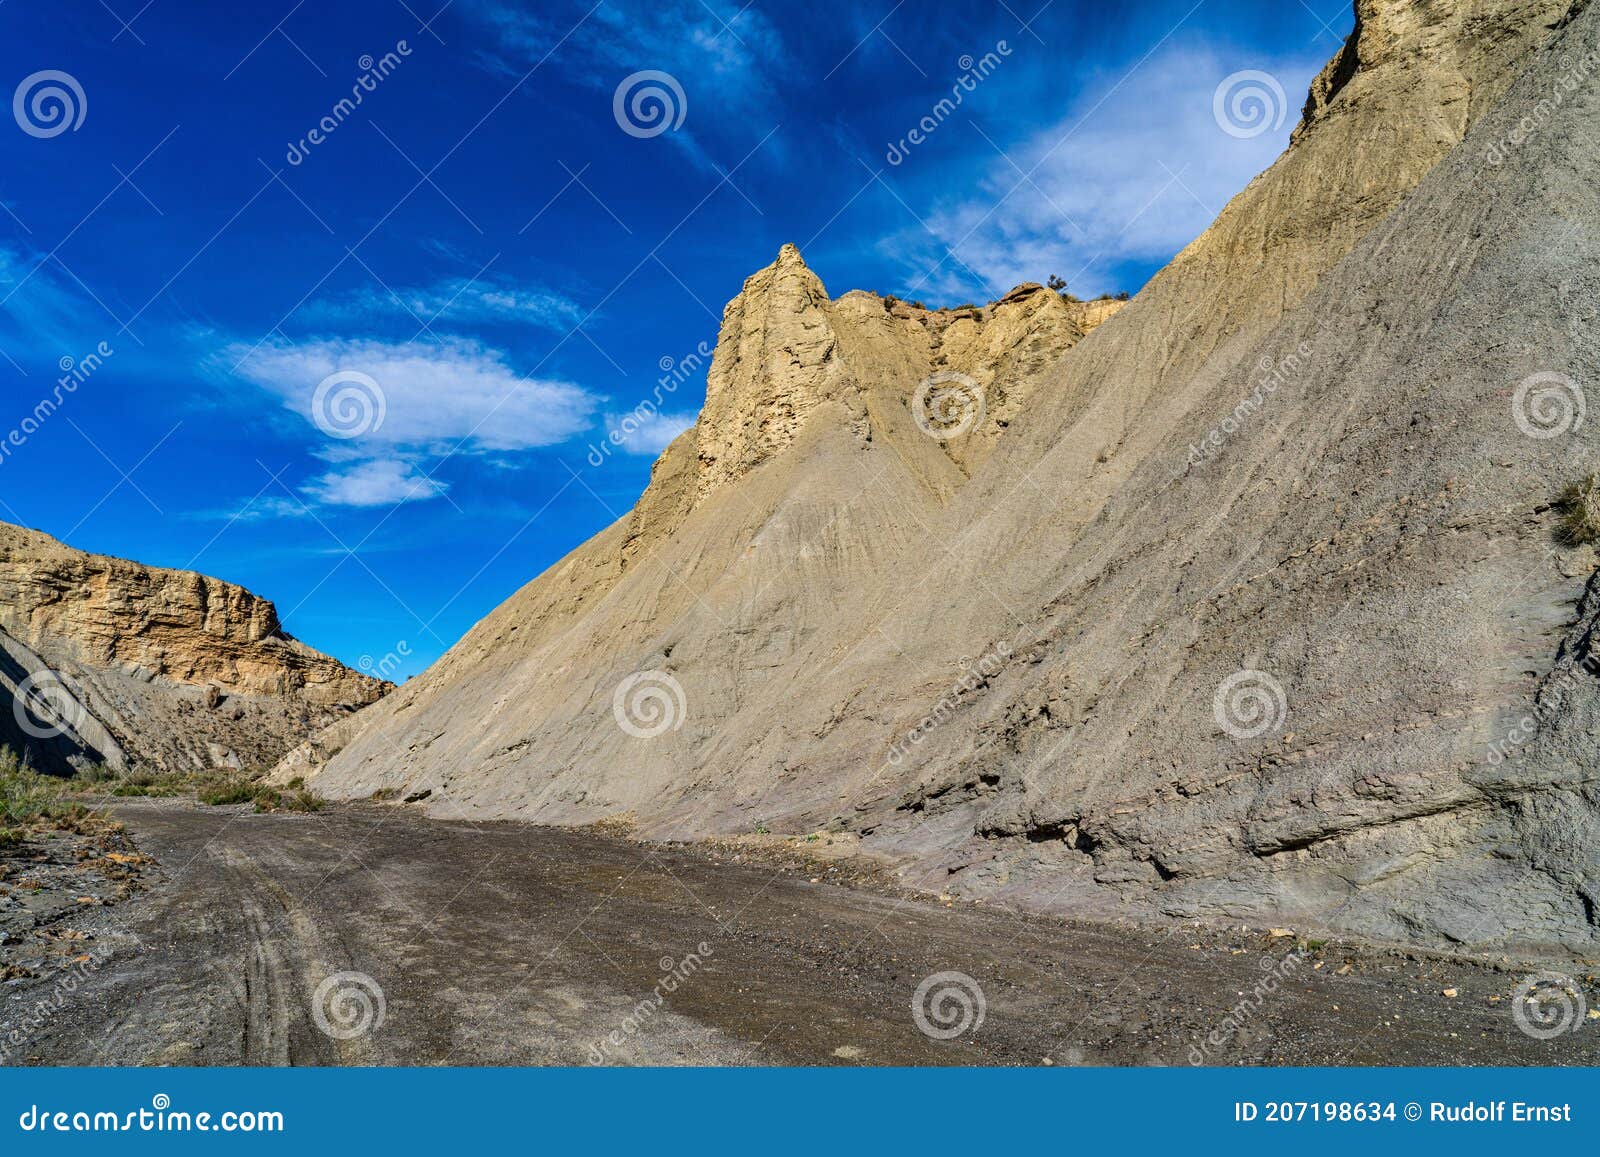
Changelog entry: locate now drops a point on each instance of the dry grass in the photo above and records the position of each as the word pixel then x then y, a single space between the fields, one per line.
pixel 1579 506
pixel 31 803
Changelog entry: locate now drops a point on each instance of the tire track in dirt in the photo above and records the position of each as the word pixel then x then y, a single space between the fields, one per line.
pixel 508 944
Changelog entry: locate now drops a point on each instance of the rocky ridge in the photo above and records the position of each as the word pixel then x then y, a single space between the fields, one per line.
pixel 129 665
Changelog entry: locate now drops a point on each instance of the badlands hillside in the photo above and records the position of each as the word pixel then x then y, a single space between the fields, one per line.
pixel 1248 605
pixel 104 661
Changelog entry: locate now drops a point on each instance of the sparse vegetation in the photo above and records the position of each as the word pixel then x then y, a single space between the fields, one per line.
pixel 31 802
pixel 1579 506
pixel 29 799
pixel 226 791
pixel 1059 284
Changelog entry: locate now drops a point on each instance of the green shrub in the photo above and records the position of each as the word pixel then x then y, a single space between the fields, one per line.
pixel 225 791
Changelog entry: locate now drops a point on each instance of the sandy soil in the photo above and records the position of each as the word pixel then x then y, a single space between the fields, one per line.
pixel 508 944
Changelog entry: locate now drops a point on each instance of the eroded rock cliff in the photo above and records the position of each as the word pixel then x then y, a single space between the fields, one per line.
pixel 105 660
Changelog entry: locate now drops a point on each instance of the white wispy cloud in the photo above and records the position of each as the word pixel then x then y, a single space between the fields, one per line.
pixel 1131 174
pixel 377 482
pixel 647 434
pixel 456 301
pixel 390 404
pixel 257 509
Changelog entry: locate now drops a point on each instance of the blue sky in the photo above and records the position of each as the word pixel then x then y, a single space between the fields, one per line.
pixel 361 371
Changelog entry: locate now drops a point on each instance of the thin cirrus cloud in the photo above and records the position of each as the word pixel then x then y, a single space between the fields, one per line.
pixel 456 301
pixel 723 55
pixel 392 403
pixel 1136 169
pixel 39 313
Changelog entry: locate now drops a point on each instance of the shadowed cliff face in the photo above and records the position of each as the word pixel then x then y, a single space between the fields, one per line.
pixel 107 661
pixel 1220 611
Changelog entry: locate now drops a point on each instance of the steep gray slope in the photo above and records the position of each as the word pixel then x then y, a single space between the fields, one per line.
pixel 1010 679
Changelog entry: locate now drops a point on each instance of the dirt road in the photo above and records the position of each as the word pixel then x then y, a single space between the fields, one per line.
pixel 370 936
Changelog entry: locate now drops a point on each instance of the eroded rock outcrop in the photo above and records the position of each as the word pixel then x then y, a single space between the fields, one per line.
pixel 1012 658
pixel 103 660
